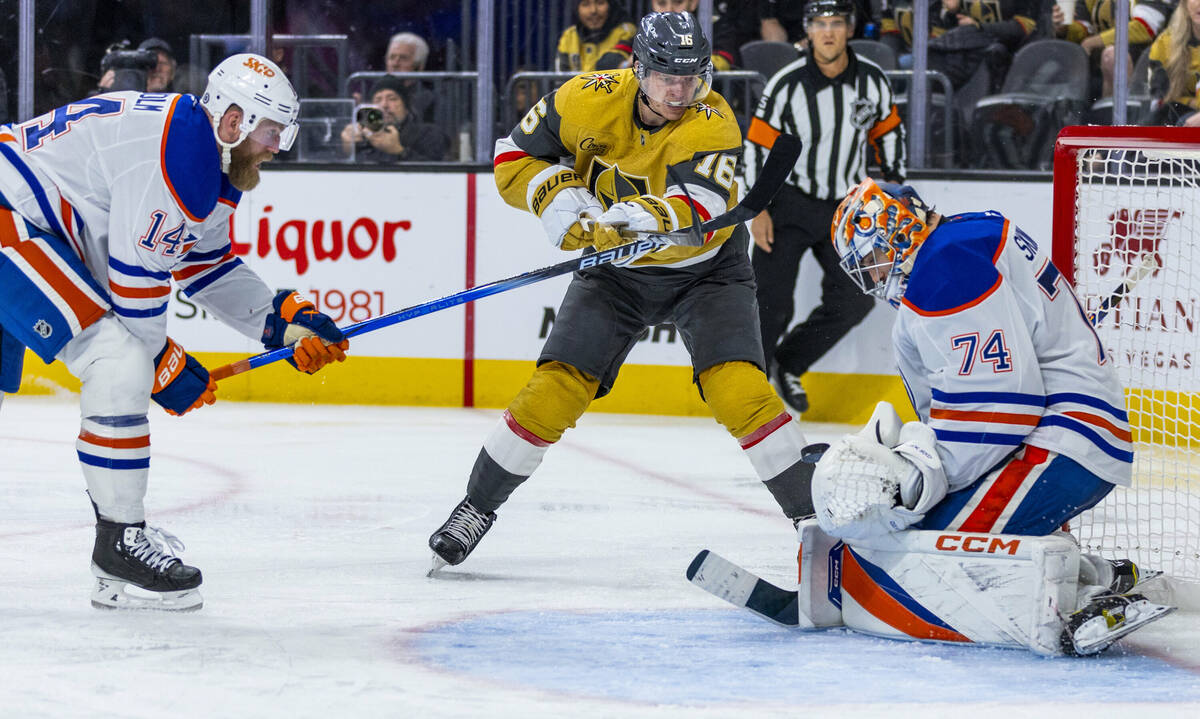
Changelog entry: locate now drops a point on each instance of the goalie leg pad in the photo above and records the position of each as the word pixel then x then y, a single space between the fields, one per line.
pixel 1003 590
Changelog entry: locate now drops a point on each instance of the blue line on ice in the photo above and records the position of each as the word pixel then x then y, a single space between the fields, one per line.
pixel 705 656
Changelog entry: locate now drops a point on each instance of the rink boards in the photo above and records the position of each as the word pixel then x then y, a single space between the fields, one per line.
pixel 361 244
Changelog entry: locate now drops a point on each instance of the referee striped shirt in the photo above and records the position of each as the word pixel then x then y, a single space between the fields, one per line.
pixel 835 119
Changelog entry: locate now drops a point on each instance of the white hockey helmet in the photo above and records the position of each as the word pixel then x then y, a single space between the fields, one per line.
pixel 262 91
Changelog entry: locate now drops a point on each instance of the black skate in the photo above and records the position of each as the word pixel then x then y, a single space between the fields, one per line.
pixel 456 539
pixel 1105 619
pixel 133 555
pixel 789 388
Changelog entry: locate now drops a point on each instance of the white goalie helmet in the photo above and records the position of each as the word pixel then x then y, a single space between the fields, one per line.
pixel 269 104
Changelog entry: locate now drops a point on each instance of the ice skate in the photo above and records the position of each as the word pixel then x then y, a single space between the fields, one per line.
pixel 1107 618
pixel 790 390
pixel 136 568
pixel 457 538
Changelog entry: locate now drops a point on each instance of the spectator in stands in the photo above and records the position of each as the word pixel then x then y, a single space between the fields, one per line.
pixel 1175 67
pixel 1092 27
pixel 965 34
pixel 783 20
pixel 399 136
pixel 407 52
pixel 724 45
pixel 162 77
pixel 599 39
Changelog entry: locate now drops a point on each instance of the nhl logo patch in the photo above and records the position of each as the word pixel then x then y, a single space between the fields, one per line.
pixel 862 114
pixel 43 328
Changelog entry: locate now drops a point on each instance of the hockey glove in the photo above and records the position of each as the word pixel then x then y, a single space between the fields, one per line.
pixel 181 384
pixel 646 213
pixel 560 201
pixel 295 322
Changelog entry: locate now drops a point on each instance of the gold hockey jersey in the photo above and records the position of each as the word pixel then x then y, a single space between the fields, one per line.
pixel 591 122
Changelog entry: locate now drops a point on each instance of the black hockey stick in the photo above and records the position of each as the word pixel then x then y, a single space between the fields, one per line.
pixel 724 579
pixel 774 172
pixel 780 161
pixel 1148 264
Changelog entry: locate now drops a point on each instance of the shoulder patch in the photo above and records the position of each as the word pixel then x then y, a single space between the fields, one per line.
pixel 956 267
pixel 600 81
pixel 190 159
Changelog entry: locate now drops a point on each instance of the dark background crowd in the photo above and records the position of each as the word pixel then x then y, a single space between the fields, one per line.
pixel 1008 73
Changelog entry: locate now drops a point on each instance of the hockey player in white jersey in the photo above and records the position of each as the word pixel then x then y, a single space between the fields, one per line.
pixel 103 202
pixel 1022 427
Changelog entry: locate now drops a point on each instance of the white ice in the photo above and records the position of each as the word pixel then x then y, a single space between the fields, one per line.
pixel 310 524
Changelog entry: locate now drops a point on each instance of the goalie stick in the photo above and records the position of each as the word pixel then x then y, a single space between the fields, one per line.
pixel 741 588
pixel 774 172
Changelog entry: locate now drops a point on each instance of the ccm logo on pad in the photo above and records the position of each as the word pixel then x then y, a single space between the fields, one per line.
pixel 976 543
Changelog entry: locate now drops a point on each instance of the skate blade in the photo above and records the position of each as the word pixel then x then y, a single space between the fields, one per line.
pixel 114 594
pixel 436 565
pixel 1137 616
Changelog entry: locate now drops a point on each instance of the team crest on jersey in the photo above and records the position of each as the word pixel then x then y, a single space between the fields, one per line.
pixel 601 81
pixel 611 185
pixel 708 111
pixel 862 114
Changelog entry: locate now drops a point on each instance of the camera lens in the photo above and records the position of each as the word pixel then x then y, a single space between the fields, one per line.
pixel 370 118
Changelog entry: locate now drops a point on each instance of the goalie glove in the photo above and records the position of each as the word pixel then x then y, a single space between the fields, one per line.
pixel 295 322
pixel 181 384
pixel 863 489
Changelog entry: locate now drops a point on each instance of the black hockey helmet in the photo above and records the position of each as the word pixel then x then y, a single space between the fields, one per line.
pixel 828 8
pixel 673 58
pixel 672 43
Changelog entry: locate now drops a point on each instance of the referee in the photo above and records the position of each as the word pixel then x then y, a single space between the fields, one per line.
pixel 837 104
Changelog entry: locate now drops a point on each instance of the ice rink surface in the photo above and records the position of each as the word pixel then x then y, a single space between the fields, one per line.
pixel 310 524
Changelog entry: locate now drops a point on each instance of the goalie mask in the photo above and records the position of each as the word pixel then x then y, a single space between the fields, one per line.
pixel 876 231
pixel 268 102
pixel 673 63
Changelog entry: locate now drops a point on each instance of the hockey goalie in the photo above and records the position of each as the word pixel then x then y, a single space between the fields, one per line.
pixel 948 528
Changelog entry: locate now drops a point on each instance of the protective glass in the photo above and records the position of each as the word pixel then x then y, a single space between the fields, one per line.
pixel 674 90
pixel 273 135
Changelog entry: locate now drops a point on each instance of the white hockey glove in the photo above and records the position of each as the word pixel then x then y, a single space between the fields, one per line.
pixel 862 488
pixel 561 214
pixel 646 213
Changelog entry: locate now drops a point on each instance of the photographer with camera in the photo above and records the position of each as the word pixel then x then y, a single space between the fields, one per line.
pixel 126 68
pixel 384 131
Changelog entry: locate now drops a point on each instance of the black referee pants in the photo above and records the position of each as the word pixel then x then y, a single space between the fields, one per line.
pixel 801 224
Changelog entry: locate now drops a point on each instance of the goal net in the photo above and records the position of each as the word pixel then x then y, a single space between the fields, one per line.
pixel 1122 194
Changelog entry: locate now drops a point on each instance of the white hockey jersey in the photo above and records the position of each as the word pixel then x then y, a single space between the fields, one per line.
pixel 995 352
pixel 133 182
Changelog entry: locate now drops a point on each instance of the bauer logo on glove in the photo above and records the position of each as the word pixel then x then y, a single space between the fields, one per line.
pixel 295 322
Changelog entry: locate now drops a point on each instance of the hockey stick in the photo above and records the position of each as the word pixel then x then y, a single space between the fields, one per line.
pixel 775 170
pixel 813 452
pixel 741 588
pixel 1148 264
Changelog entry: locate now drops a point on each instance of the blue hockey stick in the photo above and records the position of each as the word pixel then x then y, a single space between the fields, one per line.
pixel 775 170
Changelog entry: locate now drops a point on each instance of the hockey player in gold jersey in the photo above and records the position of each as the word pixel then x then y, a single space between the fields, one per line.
pixel 651 149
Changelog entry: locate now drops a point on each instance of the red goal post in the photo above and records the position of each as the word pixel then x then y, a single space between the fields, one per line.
pixel 1121 194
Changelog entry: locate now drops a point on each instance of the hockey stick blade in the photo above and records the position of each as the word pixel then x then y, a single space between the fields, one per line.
pixel 813 452
pixel 725 580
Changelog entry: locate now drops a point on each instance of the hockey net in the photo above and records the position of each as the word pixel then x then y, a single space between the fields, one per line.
pixel 1121 193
